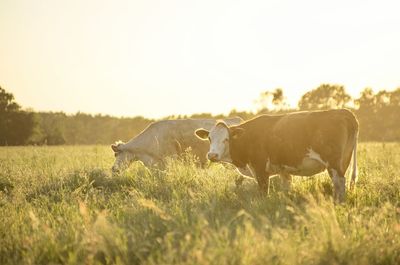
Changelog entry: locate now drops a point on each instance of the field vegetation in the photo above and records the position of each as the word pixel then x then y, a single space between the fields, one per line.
pixel 61 205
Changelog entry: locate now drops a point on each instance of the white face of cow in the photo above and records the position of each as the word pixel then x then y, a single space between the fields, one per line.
pixel 219 143
pixel 123 158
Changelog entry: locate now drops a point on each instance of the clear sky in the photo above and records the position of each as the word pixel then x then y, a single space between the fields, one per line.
pixel 157 58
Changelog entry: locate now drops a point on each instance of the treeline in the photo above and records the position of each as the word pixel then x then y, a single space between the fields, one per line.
pixel 378 114
pixel 81 128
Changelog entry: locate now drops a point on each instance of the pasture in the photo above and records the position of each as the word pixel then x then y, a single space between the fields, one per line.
pixel 60 205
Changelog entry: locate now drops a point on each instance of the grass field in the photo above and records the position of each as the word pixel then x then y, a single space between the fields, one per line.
pixel 60 205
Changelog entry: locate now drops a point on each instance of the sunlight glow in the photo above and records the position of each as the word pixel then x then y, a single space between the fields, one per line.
pixel 158 58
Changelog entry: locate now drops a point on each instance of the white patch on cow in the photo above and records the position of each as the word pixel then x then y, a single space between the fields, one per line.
pixel 314 155
pixel 219 144
pixel 311 164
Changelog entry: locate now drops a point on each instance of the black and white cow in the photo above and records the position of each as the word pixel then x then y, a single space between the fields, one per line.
pixel 299 143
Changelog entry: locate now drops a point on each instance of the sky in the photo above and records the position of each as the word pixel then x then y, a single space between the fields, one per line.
pixel 156 58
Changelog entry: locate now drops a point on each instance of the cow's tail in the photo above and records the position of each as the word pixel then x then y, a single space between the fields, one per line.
pixel 354 166
pixel 353 127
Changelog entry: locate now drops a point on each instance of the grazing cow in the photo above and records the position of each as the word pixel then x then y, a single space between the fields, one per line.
pixel 299 143
pixel 164 138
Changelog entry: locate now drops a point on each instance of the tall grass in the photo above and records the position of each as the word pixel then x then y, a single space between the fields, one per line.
pixel 60 205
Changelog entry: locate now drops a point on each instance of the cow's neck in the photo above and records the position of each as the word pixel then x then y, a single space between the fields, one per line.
pixel 239 156
pixel 239 163
pixel 145 140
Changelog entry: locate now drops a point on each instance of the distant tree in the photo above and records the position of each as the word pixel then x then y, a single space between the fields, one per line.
pixel 55 137
pixel 367 100
pixel 325 96
pixel 53 126
pixel 378 114
pixel 395 98
pixel 382 99
pixel 242 114
pixel 7 106
pixel 7 102
pixel 201 116
pixel 387 117
pixel 37 134
pixel 16 126
pixel 271 100
pixel 21 127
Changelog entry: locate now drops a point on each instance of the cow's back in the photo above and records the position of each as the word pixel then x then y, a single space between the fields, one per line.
pixel 173 137
pixel 322 131
pixel 287 138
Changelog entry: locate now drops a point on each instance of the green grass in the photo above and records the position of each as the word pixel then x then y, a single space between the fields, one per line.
pixel 60 205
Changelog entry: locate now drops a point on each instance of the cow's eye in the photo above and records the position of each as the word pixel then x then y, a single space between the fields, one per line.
pixel 115 154
pixel 226 140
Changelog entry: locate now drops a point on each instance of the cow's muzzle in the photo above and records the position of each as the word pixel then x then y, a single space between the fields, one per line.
pixel 213 157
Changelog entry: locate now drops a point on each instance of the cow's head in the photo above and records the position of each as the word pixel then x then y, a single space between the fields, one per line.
pixel 221 138
pixel 123 157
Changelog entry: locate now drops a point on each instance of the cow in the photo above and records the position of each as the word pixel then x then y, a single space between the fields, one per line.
pixel 162 139
pixel 300 143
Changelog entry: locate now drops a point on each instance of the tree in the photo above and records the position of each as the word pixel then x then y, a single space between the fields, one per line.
pixel 16 126
pixel 7 102
pixel 21 127
pixel 7 106
pixel 271 100
pixel 382 99
pixel 395 98
pixel 367 100
pixel 325 96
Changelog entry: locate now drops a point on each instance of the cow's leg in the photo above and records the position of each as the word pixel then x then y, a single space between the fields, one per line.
pixel 339 184
pixel 244 174
pixel 336 167
pixel 286 180
pixel 262 177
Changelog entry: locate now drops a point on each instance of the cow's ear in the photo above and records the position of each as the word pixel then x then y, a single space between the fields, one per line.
pixel 114 147
pixel 236 133
pixel 202 133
